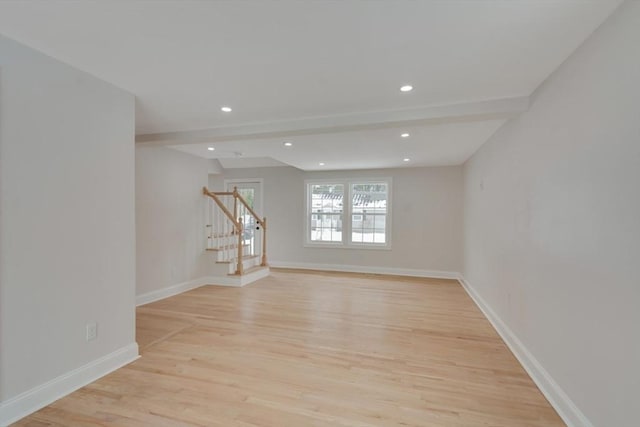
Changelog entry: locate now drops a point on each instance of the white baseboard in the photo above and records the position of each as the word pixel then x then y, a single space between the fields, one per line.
pixel 237 281
pixel 38 397
pixel 170 291
pixel 433 274
pixel 568 411
pixel 259 274
pixel 233 281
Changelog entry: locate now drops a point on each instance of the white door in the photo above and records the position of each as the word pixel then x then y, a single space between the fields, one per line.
pixel 251 192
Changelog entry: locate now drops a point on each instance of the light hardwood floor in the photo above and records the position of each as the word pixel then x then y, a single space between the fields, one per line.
pixel 313 349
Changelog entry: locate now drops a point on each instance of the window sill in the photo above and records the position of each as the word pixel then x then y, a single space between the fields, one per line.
pixel 386 247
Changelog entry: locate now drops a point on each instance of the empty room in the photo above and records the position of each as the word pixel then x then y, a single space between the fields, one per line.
pixel 320 213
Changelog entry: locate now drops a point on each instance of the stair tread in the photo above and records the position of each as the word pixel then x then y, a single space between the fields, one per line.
pixel 227 248
pixel 232 234
pixel 233 259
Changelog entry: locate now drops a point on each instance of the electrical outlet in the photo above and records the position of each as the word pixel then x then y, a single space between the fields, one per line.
pixel 92 331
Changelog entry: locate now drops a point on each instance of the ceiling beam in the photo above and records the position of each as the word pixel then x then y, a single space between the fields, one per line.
pixel 503 108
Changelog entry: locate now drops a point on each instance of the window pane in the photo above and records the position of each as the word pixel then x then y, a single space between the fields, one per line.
pixel 248 195
pixel 369 212
pixel 326 228
pixel 326 212
pixel 371 230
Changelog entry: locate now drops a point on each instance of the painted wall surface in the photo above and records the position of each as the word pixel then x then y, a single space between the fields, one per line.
pixel 426 211
pixel 67 223
pixel 170 228
pixel 552 223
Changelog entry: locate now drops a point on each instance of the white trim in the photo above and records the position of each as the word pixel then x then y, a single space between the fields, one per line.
pixel 169 291
pixel 334 245
pixel 500 108
pixel 38 397
pixel 433 274
pixel 237 281
pixel 347 213
pixel 560 401
pixel 234 281
pixel 230 280
pixel 260 181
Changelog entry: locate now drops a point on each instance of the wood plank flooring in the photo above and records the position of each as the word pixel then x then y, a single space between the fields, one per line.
pixel 313 349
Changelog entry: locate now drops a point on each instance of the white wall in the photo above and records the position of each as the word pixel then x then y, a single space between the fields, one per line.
pixel 67 237
pixel 170 228
pixel 552 224
pixel 426 209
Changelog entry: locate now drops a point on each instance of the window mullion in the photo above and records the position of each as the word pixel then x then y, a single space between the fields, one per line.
pixel 372 208
pixel 346 212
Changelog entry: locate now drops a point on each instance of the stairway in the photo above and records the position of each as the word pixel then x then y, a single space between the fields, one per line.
pixel 227 255
pixel 232 224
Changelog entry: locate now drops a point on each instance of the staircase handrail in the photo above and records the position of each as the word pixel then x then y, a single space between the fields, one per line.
pixel 262 222
pixel 237 223
pixel 221 205
pixel 238 196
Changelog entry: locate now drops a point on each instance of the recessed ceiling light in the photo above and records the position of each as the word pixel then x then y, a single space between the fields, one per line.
pixel 226 109
pixel 321 163
pixel 287 144
pixel 406 159
pixel 405 135
pixel 406 88
pixel 210 148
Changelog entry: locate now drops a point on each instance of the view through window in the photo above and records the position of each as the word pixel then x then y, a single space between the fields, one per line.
pixel 369 213
pixel 351 213
pixel 326 212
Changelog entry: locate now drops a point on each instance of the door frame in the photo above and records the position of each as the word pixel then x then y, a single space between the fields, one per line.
pixel 260 181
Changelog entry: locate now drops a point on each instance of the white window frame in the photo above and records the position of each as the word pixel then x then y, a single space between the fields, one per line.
pixel 347 214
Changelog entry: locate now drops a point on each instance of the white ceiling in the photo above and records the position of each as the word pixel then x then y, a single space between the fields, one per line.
pixel 431 145
pixel 296 62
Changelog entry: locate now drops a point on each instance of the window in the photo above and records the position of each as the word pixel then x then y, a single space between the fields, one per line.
pixel 326 212
pixel 348 213
pixel 369 206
